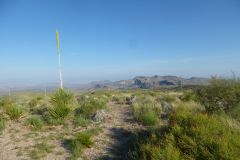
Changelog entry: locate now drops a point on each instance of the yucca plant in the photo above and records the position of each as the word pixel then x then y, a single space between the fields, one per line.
pixel 59 59
pixel 61 104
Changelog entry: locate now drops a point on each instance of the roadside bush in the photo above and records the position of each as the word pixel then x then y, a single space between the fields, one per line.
pixel 147 111
pixel 36 122
pixel 2 124
pixel 188 96
pixel 221 94
pixel 190 135
pixel 78 143
pixel 61 103
pixel 89 106
pixel 14 112
pixel 81 121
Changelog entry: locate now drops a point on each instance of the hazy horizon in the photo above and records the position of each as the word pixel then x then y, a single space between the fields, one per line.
pixel 114 40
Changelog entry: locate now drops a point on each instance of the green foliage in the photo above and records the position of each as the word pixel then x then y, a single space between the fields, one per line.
pixel 2 124
pixel 41 150
pixel 14 112
pixel 221 94
pixel 78 143
pixel 89 106
pixel 190 135
pixel 188 96
pixel 61 105
pixel 36 122
pixel 147 111
pixel 79 120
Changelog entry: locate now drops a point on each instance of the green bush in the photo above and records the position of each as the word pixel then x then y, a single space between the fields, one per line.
pixel 14 112
pixel 81 121
pixel 221 94
pixel 78 143
pixel 190 135
pixel 147 111
pixel 188 96
pixel 89 106
pixel 2 124
pixel 36 122
pixel 61 105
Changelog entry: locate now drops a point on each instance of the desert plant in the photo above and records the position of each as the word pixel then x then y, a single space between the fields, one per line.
pixel 89 106
pixel 14 112
pixel 191 134
pixel 36 122
pixel 2 124
pixel 61 104
pixel 221 94
pixel 80 120
pixel 59 60
pixel 78 143
pixel 41 150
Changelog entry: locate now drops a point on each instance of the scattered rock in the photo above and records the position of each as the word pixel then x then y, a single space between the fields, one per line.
pixel 99 116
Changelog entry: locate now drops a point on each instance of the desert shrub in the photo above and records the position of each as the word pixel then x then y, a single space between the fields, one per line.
pixel 221 94
pixel 80 120
pixel 41 150
pixel 6 102
pixel 188 96
pixel 78 143
pixel 168 98
pixel 234 112
pixel 14 112
pixel 61 103
pixel 119 99
pixel 147 111
pixel 2 124
pixel 89 106
pixel 190 135
pixel 33 103
pixel 36 122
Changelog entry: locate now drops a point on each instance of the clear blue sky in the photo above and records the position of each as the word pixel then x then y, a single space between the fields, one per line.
pixel 118 39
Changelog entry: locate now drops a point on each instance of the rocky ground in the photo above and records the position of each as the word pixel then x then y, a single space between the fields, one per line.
pixel 18 141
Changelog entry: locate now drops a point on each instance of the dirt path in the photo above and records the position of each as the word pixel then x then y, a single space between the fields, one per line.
pixel 118 129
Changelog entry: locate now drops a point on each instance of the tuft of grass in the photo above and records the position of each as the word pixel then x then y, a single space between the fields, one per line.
pixel 14 112
pixel 191 134
pixel 80 141
pixel 41 150
pixel 147 111
pixel 61 106
pixel 81 121
pixel 2 124
pixel 89 106
pixel 36 122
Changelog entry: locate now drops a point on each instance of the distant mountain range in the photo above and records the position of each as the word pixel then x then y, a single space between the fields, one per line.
pixel 142 82
pixel 145 82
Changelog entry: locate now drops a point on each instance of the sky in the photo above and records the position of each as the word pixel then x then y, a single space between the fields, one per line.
pixel 117 39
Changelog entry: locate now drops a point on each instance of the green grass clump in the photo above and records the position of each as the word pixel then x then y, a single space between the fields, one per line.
pixel 41 150
pixel 78 143
pixel 61 106
pixel 220 95
pixel 36 122
pixel 14 112
pixel 191 134
pixel 89 106
pixel 147 111
pixel 2 124
pixel 82 121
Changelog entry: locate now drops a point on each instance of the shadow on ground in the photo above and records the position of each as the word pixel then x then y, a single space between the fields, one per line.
pixel 119 150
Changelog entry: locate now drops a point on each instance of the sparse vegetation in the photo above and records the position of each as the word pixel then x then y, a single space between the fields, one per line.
pixel 2 124
pixel 89 105
pixel 14 112
pixel 40 150
pixel 35 122
pixel 190 135
pixel 147 111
